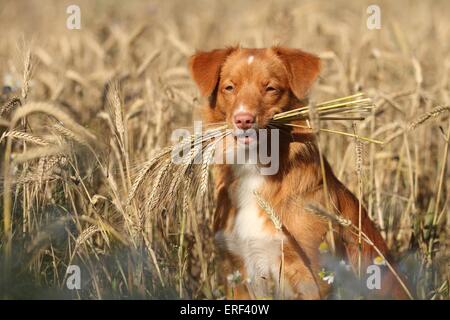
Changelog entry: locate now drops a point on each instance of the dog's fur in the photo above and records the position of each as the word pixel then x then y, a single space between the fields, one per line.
pixel 263 82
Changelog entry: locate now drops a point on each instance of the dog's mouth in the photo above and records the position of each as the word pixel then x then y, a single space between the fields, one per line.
pixel 246 136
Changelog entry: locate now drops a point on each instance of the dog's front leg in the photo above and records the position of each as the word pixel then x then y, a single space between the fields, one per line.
pixel 299 278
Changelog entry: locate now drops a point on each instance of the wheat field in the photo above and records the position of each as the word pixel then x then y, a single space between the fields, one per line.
pixel 82 112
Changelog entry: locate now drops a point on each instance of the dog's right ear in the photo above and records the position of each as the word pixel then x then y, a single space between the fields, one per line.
pixel 205 68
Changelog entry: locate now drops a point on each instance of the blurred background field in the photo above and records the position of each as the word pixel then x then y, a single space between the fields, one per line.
pixel 105 98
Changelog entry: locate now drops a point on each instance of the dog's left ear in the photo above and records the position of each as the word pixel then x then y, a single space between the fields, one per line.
pixel 205 68
pixel 303 69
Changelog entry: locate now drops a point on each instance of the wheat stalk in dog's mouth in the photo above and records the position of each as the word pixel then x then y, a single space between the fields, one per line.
pixel 167 177
pixel 346 108
pixel 350 104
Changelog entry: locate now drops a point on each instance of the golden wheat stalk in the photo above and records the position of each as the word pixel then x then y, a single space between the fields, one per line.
pixel 269 210
pixel 347 134
pixel 433 113
pixel 346 108
pixel 279 227
pixel 10 105
pixel 152 200
pixel 207 159
pixel 52 110
pixel 193 143
pixel 183 169
pixel 23 136
pixel 142 174
pixel 349 104
pixel 27 69
pixel 69 134
pixel 36 153
pixel 35 177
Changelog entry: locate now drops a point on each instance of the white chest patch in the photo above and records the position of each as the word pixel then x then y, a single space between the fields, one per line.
pixel 259 249
pixel 249 223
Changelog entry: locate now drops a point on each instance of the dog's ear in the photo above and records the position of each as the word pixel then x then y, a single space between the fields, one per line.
pixel 205 68
pixel 303 69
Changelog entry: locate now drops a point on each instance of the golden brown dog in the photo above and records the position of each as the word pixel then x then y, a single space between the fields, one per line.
pixel 245 88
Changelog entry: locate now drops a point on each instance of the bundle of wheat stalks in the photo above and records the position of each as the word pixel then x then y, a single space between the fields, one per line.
pixel 189 180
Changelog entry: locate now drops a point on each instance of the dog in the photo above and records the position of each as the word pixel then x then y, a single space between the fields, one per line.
pixel 245 88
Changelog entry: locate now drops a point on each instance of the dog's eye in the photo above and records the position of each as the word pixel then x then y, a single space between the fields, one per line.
pixel 229 88
pixel 270 89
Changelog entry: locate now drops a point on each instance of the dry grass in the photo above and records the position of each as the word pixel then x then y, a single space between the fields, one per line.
pixel 86 117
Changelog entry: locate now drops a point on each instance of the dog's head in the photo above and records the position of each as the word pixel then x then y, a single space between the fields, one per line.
pixel 246 87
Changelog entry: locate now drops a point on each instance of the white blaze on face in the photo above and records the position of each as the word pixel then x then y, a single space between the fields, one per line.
pixel 241 108
pixel 250 59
